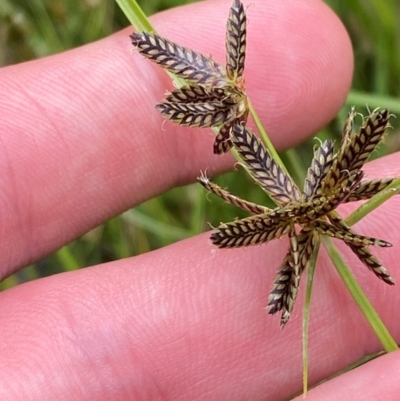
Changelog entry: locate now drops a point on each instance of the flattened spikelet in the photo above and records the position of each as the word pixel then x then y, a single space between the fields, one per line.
pixel 222 142
pixel 316 206
pixel 367 189
pixel 183 62
pixel 294 283
pixel 278 294
pixel 236 41
pixel 286 284
pixel 348 236
pixel 320 165
pixel 364 254
pixel 233 200
pixel 262 167
pixel 208 114
pixel 366 141
pixel 356 148
pixel 195 94
pixel 347 131
pixel 252 230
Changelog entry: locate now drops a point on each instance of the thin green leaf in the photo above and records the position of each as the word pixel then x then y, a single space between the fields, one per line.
pixel 388 343
pixel 307 307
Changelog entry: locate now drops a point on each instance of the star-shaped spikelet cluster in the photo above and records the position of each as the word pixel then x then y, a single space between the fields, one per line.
pixel 214 95
pixel 334 177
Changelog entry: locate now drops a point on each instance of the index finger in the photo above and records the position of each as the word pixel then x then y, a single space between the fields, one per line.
pixel 81 141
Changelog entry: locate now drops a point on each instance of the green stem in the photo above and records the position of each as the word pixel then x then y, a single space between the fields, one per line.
pixel 135 15
pixel 306 314
pixel 67 259
pixel 359 297
pixel 356 98
pixel 371 204
pixel 265 137
pixel 352 366
pixel 292 159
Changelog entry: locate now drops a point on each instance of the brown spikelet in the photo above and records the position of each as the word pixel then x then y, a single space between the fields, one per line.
pixel 233 200
pixel 252 230
pixel 316 206
pixel 215 95
pixel 357 148
pixel 305 244
pixel 195 94
pixel 236 42
pixel 294 283
pixel 222 142
pixel 278 294
pixel 183 62
pixel 347 131
pixel 207 114
pixel 286 284
pixel 364 254
pixel 367 189
pixel 320 165
pixel 262 167
pixel 365 142
pixel 348 236
pixel 332 179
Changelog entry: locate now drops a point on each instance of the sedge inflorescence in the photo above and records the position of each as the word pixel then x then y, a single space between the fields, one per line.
pixel 214 96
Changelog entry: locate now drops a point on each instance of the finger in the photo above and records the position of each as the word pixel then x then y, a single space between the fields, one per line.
pixel 377 380
pixel 189 322
pixel 81 140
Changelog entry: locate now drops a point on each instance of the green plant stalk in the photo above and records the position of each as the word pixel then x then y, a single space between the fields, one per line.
pixel 67 259
pixel 296 166
pixel 371 204
pixel 356 98
pixel 348 368
pixel 9 282
pixel 135 15
pixel 47 26
pixel 359 297
pixel 154 226
pixel 140 22
pixel 265 137
pixel 306 313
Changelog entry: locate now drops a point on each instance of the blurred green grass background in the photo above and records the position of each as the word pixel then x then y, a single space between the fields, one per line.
pixel 37 28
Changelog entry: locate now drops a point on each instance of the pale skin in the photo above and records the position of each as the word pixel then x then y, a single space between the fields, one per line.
pixel 81 142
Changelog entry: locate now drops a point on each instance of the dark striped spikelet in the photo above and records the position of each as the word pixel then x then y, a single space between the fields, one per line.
pixel 332 179
pixel 214 95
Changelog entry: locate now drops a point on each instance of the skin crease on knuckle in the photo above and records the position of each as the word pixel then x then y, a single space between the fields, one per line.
pixel 185 322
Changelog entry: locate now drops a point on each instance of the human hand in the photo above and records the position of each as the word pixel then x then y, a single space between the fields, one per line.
pixel 81 142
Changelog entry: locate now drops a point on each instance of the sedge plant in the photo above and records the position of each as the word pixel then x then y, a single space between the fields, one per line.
pixel 213 95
